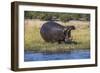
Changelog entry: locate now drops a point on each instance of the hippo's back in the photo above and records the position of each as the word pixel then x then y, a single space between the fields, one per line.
pixel 50 31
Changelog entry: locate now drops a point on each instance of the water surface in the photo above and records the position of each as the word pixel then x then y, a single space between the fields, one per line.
pixel 75 54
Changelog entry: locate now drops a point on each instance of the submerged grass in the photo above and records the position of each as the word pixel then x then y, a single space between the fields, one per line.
pixel 34 42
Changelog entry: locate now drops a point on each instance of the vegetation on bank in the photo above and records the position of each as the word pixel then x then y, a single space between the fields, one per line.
pixel 45 16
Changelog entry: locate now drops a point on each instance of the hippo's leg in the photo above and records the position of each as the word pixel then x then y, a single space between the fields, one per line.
pixel 59 42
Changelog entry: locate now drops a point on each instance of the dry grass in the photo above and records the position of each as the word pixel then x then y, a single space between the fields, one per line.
pixel 34 41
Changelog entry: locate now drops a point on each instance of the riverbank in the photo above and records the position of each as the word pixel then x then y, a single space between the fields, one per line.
pixel 52 51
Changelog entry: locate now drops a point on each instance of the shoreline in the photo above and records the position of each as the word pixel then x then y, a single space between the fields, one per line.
pixel 57 51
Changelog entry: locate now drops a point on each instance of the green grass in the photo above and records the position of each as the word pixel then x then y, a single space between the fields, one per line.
pixel 34 42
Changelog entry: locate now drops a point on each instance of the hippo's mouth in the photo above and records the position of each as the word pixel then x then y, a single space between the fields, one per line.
pixel 68 40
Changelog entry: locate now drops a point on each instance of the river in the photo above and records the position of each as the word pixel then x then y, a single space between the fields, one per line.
pixel 75 54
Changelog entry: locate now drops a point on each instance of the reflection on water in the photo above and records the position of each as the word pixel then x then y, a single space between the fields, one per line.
pixel 79 54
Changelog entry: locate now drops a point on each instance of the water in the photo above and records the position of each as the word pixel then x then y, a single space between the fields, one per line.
pixel 79 54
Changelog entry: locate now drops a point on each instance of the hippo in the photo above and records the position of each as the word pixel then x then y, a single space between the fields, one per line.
pixel 54 32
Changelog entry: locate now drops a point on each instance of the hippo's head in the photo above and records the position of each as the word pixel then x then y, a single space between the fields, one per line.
pixel 67 33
